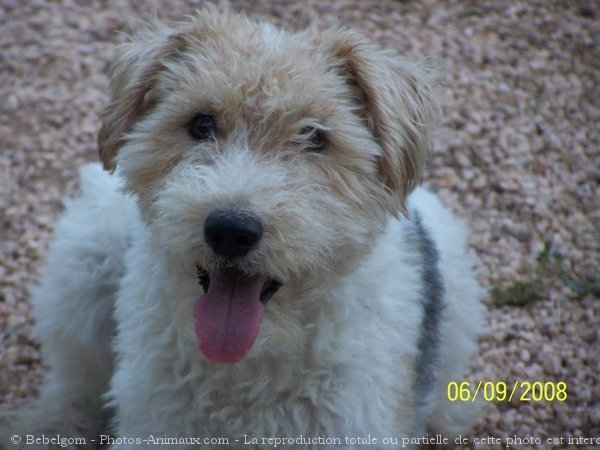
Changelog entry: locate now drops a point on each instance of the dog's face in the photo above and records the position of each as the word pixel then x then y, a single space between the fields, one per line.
pixel 265 161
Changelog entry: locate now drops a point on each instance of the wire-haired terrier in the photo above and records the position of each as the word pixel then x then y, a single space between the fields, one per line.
pixel 255 261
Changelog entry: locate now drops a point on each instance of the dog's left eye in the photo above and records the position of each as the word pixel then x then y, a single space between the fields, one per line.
pixel 315 138
pixel 203 127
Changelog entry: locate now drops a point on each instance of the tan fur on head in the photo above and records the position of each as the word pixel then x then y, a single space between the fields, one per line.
pixel 133 75
pixel 399 102
pixel 395 98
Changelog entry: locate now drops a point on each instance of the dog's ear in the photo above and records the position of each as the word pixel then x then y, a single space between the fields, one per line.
pixel 398 100
pixel 133 75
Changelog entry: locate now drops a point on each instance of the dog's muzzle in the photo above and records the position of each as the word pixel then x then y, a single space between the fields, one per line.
pixel 229 314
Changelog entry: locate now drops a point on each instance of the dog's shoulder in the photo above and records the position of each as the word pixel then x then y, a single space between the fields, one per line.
pixel 96 223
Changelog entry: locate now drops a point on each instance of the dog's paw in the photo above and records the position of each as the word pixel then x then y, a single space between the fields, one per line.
pixel 26 428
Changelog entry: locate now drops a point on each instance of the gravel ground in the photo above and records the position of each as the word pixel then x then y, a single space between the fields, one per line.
pixel 517 154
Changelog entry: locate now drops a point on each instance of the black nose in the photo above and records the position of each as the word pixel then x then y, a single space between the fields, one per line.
pixel 232 234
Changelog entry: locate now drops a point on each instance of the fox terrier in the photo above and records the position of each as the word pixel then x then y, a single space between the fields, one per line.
pixel 254 264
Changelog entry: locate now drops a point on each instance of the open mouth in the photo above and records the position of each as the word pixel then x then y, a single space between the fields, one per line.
pixel 269 289
pixel 228 316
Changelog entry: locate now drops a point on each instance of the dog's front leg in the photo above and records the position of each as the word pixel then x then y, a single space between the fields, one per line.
pixel 73 308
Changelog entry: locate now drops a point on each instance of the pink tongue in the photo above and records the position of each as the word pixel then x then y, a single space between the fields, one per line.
pixel 228 317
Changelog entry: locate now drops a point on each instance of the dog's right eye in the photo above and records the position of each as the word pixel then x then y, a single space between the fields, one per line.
pixel 202 127
pixel 314 138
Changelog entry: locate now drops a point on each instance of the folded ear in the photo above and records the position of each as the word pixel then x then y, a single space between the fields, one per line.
pixel 133 75
pixel 398 101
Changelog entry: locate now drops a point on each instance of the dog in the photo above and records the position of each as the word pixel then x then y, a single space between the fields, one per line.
pixel 254 262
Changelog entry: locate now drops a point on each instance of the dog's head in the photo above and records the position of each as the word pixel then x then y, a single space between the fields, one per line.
pixel 263 158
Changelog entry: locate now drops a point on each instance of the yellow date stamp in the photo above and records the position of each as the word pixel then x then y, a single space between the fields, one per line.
pixel 500 391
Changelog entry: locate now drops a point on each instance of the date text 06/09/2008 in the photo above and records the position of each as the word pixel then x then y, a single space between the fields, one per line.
pixel 500 391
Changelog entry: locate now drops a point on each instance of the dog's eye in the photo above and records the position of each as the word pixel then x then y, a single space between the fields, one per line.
pixel 315 139
pixel 202 127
